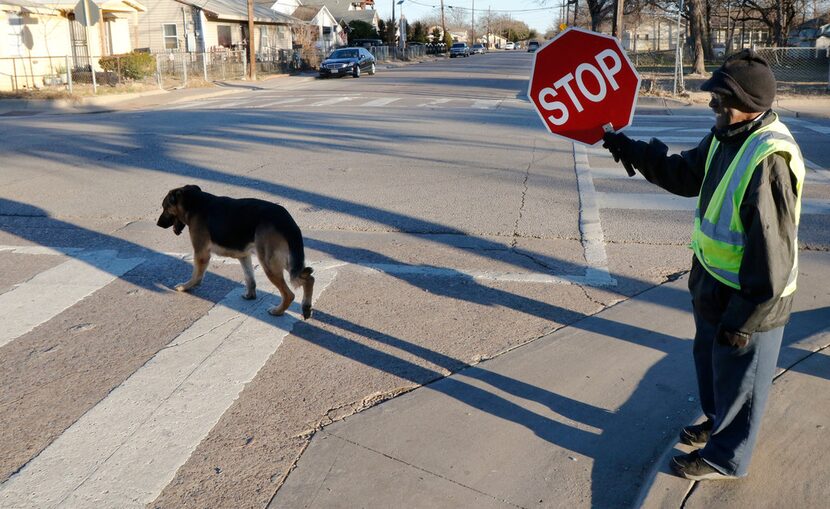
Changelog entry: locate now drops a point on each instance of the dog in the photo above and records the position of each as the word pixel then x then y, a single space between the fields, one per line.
pixel 236 228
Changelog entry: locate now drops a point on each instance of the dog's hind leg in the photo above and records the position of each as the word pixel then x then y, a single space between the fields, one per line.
pixel 250 282
pixel 269 251
pixel 307 280
pixel 275 274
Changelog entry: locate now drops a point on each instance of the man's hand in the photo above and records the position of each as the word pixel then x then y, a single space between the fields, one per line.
pixel 616 144
pixel 735 339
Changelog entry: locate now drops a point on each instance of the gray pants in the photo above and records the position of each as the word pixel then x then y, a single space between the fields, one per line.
pixel 734 385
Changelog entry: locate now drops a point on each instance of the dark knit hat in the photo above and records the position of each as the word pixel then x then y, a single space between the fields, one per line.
pixel 747 78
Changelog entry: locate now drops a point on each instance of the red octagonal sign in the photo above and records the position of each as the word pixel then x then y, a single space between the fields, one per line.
pixel 581 82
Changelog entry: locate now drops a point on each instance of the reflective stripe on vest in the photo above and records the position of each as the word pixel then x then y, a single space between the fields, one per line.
pixel 719 237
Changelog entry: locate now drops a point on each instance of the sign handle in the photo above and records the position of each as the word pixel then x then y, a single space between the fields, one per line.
pixel 608 128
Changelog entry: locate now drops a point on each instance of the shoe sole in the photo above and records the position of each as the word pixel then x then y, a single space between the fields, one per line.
pixel 688 441
pixel 711 476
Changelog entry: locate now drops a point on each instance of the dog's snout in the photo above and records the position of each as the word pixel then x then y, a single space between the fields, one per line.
pixel 165 220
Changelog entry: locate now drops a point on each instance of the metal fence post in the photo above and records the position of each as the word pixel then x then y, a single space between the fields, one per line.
pixel 14 73
pixel 184 69
pixel 68 73
pixel 94 82
pixel 204 65
pixel 158 70
pixel 244 63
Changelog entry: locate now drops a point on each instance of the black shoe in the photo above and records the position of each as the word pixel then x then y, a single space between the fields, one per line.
pixel 693 467
pixel 698 434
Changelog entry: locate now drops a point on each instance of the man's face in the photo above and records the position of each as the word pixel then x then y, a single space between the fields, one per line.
pixel 724 114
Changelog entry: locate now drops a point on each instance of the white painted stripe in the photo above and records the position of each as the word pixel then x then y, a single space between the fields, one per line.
pixel 615 172
pixel 700 117
pixel 482 104
pixel 126 449
pixel 282 101
pixel 332 100
pixel 820 207
pixel 435 102
pixel 593 239
pixel 52 291
pixel 232 104
pixel 816 173
pixel 41 250
pixel 672 139
pixel 181 106
pixel 645 201
pixel 810 125
pixel 387 268
pixel 634 129
pixel 382 102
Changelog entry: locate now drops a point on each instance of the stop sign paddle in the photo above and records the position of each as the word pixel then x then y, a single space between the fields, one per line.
pixel 583 84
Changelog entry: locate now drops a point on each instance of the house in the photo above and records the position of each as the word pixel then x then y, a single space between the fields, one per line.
pixel 330 33
pixel 44 38
pixel 346 11
pixel 196 26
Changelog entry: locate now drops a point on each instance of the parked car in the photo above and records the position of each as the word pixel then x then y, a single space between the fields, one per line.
pixel 510 45
pixel 344 61
pixel 459 49
pixel 719 50
pixel 532 46
pixel 478 48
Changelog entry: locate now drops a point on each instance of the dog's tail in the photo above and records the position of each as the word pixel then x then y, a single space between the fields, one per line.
pixel 299 273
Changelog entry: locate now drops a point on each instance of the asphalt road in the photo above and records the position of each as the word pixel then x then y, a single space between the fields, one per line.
pixel 444 224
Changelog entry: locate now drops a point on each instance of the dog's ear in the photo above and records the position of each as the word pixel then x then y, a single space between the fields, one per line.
pixel 191 188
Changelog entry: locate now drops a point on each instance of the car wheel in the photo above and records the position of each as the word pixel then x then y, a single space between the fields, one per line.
pixel 356 71
pixel 372 69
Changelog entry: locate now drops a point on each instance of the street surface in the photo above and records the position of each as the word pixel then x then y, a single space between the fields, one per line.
pixel 445 225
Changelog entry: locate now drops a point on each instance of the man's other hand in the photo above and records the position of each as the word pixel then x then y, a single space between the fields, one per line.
pixel 736 339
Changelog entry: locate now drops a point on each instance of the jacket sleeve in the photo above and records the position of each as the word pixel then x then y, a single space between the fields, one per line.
pixel 768 216
pixel 680 174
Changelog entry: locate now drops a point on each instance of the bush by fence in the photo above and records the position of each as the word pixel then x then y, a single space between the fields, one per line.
pixel 133 66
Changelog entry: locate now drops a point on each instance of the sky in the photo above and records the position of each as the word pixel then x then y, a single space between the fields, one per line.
pixel 540 18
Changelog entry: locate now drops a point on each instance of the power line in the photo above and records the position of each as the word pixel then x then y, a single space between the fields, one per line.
pixel 460 8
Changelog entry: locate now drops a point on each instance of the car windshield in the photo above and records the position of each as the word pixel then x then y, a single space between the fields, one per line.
pixel 344 53
pixel 458 45
pixel 478 46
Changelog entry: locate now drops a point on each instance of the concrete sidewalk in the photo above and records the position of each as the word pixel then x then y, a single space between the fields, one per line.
pixel 585 417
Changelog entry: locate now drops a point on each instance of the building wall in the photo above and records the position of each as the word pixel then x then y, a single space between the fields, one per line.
pixel 33 49
pixel 147 31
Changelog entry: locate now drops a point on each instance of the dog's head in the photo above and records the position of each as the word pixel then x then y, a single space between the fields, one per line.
pixel 174 208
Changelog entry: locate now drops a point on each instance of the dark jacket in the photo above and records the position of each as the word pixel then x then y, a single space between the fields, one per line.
pixel 767 213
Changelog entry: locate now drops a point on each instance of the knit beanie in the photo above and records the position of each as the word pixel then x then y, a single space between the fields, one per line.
pixel 747 78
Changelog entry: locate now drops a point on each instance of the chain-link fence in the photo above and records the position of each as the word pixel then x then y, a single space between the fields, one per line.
pixel 805 70
pixel 386 53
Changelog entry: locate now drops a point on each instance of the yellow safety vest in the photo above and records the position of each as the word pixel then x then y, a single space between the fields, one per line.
pixel 718 237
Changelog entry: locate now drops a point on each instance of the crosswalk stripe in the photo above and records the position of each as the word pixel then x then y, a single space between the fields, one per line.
pixel 635 129
pixel 381 102
pixel 46 295
pixel 333 100
pixel 126 449
pixel 435 102
pixel 483 104
pixel 282 101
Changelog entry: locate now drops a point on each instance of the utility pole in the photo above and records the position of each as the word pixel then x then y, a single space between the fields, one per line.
pixel 443 24
pixel 251 51
pixel 392 28
pixel 473 24
pixel 618 20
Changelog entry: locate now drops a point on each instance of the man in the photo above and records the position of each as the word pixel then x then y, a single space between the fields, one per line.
pixel 747 174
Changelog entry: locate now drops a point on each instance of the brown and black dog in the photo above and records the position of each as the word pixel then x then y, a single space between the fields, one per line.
pixel 236 228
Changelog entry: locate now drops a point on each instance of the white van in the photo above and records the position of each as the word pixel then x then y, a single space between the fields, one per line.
pixel 509 45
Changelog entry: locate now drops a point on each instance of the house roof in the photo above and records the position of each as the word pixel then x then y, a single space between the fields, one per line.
pixel 306 12
pixel 51 6
pixel 238 10
pixel 340 10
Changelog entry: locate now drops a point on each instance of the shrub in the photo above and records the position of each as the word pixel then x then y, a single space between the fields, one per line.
pixel 134 66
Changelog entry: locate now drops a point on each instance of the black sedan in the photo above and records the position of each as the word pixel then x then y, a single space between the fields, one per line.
pixel 344 61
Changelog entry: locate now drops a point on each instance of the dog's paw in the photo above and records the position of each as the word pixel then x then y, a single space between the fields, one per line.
pixel 276 311
pixel 249 295
pixel 182 287
pixel 306 312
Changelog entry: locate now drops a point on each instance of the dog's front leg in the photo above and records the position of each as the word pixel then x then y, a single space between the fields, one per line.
pixel 200 263
pixel 250 282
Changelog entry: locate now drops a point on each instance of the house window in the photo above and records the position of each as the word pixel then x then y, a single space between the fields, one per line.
pixel 223 33
pixel 171 36
pixel 15 36
pixel 264 42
